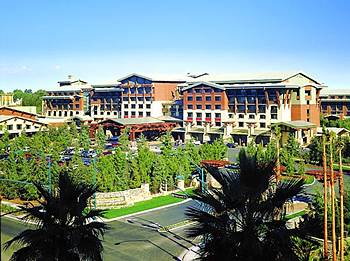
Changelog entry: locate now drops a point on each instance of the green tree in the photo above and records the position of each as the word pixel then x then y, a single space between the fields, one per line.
pixel 65 230
pixel 100 138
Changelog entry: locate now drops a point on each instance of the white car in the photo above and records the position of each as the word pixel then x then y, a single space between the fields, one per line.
pixel 197 142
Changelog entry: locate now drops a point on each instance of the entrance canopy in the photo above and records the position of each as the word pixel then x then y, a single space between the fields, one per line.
pixel 135 125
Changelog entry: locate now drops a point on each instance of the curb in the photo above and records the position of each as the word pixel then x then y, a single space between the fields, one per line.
pixel 107 220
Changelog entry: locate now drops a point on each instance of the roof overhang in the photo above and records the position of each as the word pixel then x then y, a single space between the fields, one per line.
pixel 209 84
pixel 134 74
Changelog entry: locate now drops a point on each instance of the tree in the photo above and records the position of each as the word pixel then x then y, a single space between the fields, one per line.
pixel 100 137
pixel 65 230
pixel 315 154
pixel 246 218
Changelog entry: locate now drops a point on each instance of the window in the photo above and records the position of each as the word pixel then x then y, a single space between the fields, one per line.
pixel 190 98
pixel 262 125
pixel 241 116
pixel 251 116
pixel 126 114
pixel 208 115
pixel 133 113
pixel 60 113
pixel 207 98
pixel 199 107
pixel 307 111
pixel 230 115
pixel 190 114
pixel 217 123
pixel 274 116
pixel 217 98
pixel 208 107
pixel 217 107
pixel 77 106
pixel 217 115
pixel 65 114
pixel 9 127
pixel 115 113
pixel 262 116
pixel 307 92
pixel 133 98
pixel 148 114
pixel 199 115
pixel 148 106
pixel 126 106
pixel 19 126
pixel 54 113
pixel 273 109
pixel 108 113
pixel 49 113
pixel 71 113
pixel 241 124
pixel 190 107
pixel 307 102
pixel 125 99
pixel 199 123
pixel 199 98
pixel 27 126
pixel 140 106
pixel 140 114
pixel 133 106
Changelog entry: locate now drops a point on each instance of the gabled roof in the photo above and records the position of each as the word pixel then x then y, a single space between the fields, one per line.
pixel 134 74
pixel 210 84
pixel 299 124
pixel 17 110
pixel 303 74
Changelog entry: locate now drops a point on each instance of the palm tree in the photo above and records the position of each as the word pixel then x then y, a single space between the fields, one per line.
pixel 245 219
pixel 66 228
pixel 325 194
pixel 340 146
pixel 332 183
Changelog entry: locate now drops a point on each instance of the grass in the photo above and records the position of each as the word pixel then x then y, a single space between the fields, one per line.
pixel 336 167
pixel 308 179
pixel 296 214
pixel 145 205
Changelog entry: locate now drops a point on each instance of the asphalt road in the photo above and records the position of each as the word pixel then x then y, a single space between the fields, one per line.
pixel 138 240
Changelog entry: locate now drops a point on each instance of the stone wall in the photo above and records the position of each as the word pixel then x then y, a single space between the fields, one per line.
pixel 122 198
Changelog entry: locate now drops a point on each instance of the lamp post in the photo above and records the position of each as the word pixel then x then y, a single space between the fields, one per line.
pixel 94 180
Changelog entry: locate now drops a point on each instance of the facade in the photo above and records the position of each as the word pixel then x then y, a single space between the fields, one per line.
pixel 16 122
pixel 335 103
pixel 146 97
pixel 246 108
pixel 133 96
pixel 71 98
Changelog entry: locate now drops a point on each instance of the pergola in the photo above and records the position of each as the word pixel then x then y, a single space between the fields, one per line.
pixel 134 125
pixel 215 163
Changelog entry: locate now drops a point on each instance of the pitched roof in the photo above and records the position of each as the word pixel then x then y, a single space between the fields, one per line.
pixel 134 74
pixel 210 84
pixel 297 124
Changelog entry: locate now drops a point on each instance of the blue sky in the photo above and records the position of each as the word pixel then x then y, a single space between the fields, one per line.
pixel 41 42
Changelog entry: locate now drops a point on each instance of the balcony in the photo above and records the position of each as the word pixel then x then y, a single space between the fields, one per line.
pixel 199 119
pixel 208 119
pixel 189 119
pixel 217 119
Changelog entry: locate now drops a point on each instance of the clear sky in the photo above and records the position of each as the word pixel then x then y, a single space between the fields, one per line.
pixel 41 42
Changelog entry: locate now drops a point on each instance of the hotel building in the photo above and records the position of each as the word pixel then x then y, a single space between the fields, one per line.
pixel 133 96
pixel 335 103
pixel 246 108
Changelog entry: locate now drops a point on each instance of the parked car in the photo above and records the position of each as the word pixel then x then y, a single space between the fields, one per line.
pixel 197 142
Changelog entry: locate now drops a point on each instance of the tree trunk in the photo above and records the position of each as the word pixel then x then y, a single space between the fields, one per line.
pixel 334 238
pixel 325 197
pixel 341 195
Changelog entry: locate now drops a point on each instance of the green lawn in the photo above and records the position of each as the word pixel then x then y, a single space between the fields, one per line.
pixel 336 167
pixel 143 205
pixel 294 215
